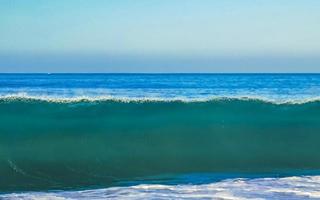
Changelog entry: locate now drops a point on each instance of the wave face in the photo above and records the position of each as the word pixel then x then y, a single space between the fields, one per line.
pixel 48 145
pixel 235 189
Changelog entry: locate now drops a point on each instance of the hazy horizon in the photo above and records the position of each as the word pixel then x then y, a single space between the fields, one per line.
pixel 159 36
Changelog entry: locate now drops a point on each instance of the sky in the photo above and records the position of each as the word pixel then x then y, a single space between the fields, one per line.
pixel 160 36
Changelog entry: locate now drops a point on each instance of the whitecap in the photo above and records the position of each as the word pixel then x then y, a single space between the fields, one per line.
pixel 295 188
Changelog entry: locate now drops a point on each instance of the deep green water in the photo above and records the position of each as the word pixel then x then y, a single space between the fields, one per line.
pixel 49 145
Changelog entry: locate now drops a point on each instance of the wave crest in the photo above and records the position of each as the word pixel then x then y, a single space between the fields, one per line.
pixel 75 99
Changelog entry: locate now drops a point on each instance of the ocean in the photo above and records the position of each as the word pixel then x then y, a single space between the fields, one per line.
pixel 159 136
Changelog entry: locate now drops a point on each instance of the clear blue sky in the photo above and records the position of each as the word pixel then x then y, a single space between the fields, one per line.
pixel 160 36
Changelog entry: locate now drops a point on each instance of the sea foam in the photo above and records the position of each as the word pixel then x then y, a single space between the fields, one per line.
pixel 303 187
pixel 128 99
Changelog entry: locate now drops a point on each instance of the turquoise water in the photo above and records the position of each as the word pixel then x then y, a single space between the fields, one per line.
pixel 52 145
pixel 101 146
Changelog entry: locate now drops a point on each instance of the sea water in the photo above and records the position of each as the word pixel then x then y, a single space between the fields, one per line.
pixel 159 136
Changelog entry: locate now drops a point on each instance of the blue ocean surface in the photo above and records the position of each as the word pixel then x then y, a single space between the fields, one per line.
pixel 159 136
pixel 162 86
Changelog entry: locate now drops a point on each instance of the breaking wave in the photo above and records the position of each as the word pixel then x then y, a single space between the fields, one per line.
pixel 81 98
pixel 102 143
pixel 297 188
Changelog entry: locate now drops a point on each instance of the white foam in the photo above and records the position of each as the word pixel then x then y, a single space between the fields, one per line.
pixel 305 187
pixel 127 99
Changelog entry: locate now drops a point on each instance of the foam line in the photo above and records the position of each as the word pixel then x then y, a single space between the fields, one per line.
pixel 73 99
